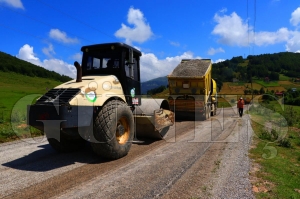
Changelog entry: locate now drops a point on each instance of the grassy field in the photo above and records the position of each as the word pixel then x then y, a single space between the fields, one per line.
pixel 16 91
pixel 267 84
pixel 239 87
pixel 276 153
pixel 283 78
pixel 244 64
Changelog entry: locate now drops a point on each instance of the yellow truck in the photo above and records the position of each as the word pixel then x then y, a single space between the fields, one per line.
pixel 192 90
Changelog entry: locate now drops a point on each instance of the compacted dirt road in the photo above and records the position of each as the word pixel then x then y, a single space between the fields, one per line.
pixel 202 159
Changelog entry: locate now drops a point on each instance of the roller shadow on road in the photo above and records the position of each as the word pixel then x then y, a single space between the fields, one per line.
pixel 44 158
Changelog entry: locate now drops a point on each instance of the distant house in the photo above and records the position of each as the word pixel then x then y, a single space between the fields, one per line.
pixel 297 80
pixel 267 79
pixel 279 94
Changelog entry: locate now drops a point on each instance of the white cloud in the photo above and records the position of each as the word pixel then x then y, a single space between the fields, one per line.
pixel 61 36
pixel 49 51
pixel 234 32
pixel 295 19
pixel 152 67
pixel 293 44
pixel 26 53
pixel 218 60
pixel 140 32
pixel 268 38
pixel 223 10
pixel 13 3
pixel 231 29
pixel 213 51
pixel 77 57
pixel 60 67
pixel 174 43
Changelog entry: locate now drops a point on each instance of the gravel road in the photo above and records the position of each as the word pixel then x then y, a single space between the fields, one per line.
pixel 202 159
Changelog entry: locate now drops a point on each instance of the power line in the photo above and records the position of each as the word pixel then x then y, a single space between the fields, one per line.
pixel 70 16
pixel 254 25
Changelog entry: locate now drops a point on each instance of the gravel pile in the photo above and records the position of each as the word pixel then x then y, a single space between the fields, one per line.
pixel 195 67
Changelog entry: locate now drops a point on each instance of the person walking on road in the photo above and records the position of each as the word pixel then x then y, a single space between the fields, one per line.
pixel 240 106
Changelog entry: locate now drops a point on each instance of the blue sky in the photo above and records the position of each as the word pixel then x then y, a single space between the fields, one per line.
pixel 50 33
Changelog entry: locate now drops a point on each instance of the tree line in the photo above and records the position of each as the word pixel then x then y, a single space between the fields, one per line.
pixel 156 90
pixel 9 63
pixel 257 66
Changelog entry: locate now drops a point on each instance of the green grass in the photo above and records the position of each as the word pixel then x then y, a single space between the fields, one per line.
pixel 267 84
pixel 236 84
pixel 283 77
pixel 16 92
pixel 223 103
pixel 13 87
pixel 292 86
pixel 282 171
pixel 244 64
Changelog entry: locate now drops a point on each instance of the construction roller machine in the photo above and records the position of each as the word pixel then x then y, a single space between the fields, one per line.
pixel 103 105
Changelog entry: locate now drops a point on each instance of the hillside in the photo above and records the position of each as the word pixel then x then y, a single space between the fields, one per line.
pixel 258 66
pixel 12 64
pixel 154 83
pixel 14 86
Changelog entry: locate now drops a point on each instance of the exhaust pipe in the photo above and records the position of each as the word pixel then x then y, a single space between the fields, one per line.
pixel 79 72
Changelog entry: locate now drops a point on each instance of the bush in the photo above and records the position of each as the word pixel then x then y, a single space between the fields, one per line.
pixel 17 116
pixel 285 143
pixel 291 116
pixel 274 134
pixel 265 135
pixel 6 133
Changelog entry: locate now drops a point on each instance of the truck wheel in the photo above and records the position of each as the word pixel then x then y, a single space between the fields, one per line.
pixel 65 144
pixel 114 130
pixel 212 113
pixel 208 111
pixel 215 111
pixel 204 116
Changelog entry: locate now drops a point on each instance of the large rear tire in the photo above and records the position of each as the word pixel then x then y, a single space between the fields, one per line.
pixel 113 130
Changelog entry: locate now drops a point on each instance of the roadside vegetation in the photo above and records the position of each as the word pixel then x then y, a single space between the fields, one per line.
pixel 275 150
pixel 13 88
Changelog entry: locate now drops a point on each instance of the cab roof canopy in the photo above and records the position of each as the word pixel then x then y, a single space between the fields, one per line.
pixel 111 46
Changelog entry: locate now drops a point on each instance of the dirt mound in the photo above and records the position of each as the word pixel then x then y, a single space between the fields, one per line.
pixel 195 67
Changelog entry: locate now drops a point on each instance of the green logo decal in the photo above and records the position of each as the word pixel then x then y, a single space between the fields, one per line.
pixel 91 96
pixel 132 92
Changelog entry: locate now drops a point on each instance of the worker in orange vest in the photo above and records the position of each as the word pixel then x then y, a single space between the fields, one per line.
pixel 240 106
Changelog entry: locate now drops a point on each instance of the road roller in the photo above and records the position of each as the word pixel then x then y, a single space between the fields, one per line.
pixel 102 106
